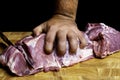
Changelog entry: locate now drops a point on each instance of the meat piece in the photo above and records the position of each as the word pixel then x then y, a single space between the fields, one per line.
pixel 30 55
pixel 15 61
pixel 105 39
pixel 28 52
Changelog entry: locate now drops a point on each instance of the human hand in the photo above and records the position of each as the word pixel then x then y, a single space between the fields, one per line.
pixel 60 28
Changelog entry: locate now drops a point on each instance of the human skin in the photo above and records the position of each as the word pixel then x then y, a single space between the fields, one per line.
pixel 62 27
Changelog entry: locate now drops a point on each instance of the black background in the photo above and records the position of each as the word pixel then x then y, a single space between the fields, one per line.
pixel 24 16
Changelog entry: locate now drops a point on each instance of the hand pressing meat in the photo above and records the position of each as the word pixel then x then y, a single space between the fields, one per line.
pixel 62 27
pixel 29 53
pixel 27 56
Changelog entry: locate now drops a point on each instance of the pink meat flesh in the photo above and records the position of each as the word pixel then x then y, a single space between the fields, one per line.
pixel 27 56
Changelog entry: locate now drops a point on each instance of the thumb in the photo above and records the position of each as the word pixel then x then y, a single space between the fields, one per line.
pixel 39 29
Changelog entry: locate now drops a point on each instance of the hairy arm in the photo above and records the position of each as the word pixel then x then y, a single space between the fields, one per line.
pixel 67 8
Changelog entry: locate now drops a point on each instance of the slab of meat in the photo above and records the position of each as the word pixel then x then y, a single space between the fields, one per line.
pixel 27 56
pixel 105 39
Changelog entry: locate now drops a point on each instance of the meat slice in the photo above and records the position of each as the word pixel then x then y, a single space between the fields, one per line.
pixel 15 61
pixel 27 57
pixel 105 39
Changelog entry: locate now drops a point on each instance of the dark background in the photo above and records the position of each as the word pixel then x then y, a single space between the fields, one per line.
pixel 24 16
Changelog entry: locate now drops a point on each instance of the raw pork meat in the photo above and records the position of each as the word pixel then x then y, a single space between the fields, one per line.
pixel 105 39
pixel 27 56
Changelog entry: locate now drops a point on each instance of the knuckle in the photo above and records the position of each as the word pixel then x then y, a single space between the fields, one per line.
pixel 48 48
pixel 48 39
pixel 73 42
pixel 83 42
pixel 61 48
pixel 73 46
pixel 60 34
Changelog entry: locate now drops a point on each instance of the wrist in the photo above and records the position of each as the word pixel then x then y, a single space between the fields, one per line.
pixel 67 8
pixel 64 16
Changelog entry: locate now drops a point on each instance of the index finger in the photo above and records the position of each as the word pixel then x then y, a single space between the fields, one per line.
pixel 39 29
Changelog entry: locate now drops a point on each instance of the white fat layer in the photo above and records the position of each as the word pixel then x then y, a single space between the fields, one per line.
pixel 11 62
pixel 2 59
pixel 80 55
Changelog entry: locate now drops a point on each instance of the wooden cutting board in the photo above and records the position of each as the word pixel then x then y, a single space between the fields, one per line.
pixel 94 69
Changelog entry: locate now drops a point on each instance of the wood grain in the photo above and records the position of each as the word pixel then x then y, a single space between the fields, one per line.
pixel 94 69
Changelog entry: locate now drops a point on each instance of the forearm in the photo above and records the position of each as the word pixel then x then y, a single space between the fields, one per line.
pixel 67 8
